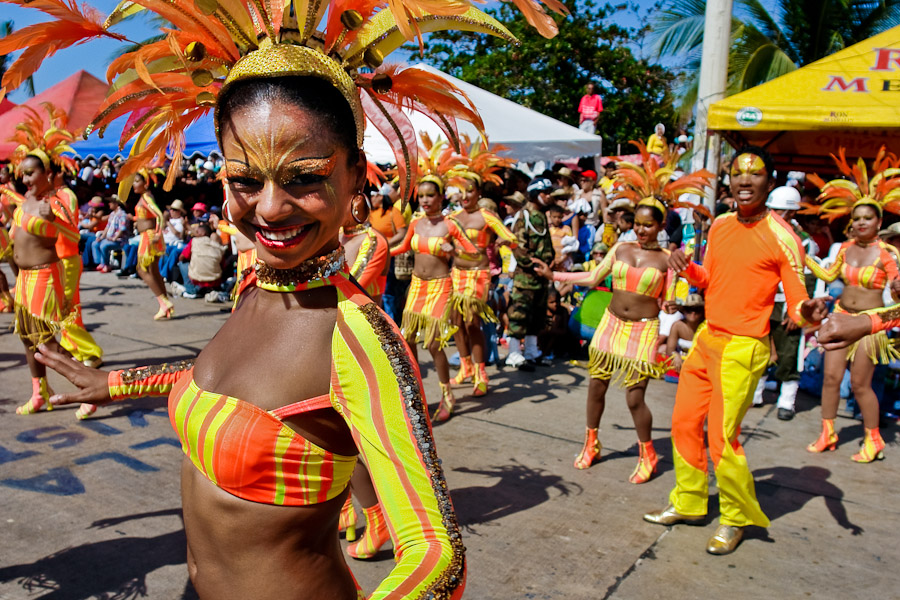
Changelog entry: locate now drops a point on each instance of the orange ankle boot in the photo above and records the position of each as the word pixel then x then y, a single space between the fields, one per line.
pixel 466 371
pixel 646 467
pixel 40 397
pixel 375 536
pixel 871 448
pixel 347 520
pixel 480 381
pixel 827 439
pixel 445 409
pixel 590 451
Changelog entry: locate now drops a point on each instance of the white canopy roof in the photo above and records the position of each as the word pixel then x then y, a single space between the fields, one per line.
pixel 529 135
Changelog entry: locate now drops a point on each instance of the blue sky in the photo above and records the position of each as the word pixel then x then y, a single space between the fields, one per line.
pixel 94 56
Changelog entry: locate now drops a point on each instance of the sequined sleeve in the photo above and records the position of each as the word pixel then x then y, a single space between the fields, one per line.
pixel 406 244
pixel 141 382
pixel 461 240
pixel 827 274
pixel 500 230
pixel 65 207
pixel 377 389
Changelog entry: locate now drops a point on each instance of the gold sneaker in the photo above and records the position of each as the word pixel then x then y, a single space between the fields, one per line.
pixel 670 516
pixel 725 540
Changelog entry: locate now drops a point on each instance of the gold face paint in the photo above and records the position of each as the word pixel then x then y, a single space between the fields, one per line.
pixel 747 164
pixel 267 152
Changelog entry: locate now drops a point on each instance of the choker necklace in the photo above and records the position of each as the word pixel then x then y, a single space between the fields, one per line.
pixel 651 246
pixel 299 277
pixel 863 244
pixel 754 218
pixel 355 230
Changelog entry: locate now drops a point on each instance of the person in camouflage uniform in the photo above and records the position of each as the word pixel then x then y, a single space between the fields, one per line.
pixel 528 297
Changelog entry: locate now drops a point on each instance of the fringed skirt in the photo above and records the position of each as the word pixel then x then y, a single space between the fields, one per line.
pixel 426 317
pixel 148 250
pixel 6 246
pixel 878 346
pixel 625 350
pixel 471 289
pixel 41 309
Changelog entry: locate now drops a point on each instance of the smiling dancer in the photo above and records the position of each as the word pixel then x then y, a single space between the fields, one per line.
pixel 472 276
pixel 624 344
pixel 866 265
pixel 752 249
pixel 269 442
pixel 426 317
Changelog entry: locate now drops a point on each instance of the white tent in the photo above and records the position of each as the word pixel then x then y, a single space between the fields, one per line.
pixel 529 135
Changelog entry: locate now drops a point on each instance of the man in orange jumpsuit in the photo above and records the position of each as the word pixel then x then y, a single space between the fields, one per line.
pixel 749 253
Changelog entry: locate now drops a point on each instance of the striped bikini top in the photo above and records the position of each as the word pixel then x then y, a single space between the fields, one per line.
pixel 250 453
pixel 34 224
pixel 871 277
pixel 433 245
pixel 146 208
pixel 646 281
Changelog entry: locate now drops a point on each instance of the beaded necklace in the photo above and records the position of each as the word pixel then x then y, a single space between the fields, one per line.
pixel 311 273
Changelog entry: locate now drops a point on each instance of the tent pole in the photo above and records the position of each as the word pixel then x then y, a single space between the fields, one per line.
pixel 713 83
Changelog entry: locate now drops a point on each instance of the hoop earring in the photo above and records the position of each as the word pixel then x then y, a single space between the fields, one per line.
pixel 359 208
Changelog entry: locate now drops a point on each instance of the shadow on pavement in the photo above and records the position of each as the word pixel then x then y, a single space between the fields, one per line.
pixel 113 569
pixel 519 488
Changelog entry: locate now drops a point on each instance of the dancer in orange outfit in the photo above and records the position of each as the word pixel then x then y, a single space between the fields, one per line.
pixel 306 372
pixel 472 276
pixel 624 344
pixel 368 255
pixel 149 222
pixel 866 265
pixel 426 317
pixel 7 193
pixel 753 249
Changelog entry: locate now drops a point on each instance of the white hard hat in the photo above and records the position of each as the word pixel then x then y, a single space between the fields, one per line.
pixel 784 198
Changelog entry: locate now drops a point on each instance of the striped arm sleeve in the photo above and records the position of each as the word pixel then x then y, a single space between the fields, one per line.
pixel 141 382
pixel 377 389
pixel 500 230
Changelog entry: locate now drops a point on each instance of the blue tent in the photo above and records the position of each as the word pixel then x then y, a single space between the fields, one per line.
pixel 201 138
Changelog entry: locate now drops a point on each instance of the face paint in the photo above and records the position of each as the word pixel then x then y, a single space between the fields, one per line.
pixel 747 164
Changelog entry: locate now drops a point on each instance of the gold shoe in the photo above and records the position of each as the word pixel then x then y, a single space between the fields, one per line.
pixel 669 516
pixel 725 540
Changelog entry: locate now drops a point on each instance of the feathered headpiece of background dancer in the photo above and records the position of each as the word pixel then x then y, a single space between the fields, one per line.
pixel 436 161
pixel 840 197
pixel 481 161
pixel 651 183
pixel 49 141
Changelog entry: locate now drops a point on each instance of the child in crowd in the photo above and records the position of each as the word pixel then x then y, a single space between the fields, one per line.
pixel 558 235
pixel 681 337
pixel 201 266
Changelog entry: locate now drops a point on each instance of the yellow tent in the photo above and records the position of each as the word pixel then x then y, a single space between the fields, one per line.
pixel 849 99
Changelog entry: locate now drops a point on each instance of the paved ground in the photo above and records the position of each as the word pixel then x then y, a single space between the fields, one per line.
pixel 91 509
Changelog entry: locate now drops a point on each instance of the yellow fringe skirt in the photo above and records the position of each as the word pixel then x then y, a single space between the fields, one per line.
pixel 426 317
pixel 41 308
pixel 880 349
pixel 6 245
pixel 471 289
pixel 148 250
pixel 625 350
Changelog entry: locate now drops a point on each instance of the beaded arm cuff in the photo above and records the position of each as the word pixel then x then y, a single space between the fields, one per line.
pixel 140 382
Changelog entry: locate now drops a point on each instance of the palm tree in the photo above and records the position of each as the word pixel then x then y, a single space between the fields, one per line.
pixel 767 45
pixel 6 28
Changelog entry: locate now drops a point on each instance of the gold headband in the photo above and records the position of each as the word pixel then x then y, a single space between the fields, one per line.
pixel 437 181
pixel 41 156
pixel 655 203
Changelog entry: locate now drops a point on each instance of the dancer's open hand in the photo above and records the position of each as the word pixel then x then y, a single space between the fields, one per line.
pixel 541 268
pixel 92 383
pixel 842 329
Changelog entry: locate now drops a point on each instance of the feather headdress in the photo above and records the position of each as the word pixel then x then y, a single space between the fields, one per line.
pixel 49 140
pixel 653 184
pixel 436 161
pixel 840 196
pixel 482 161
pixel 164 86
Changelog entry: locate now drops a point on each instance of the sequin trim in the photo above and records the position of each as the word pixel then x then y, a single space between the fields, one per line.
pixel 288 280
pixel 360 267
pixel 443 587
pixel 129 376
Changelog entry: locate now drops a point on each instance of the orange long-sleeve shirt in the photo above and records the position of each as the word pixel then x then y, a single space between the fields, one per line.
pixel 744 264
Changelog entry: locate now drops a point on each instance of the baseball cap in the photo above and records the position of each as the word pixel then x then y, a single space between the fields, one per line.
pixel 539 185
pixel 589 174
pixel 199 206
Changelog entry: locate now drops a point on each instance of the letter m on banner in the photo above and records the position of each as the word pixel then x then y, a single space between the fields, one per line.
pixel 838 83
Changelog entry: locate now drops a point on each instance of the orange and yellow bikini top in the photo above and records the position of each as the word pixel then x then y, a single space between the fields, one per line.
pixel 493 226
pixel 646 281
pixel 146 208
pixel 871 277
pixel 433 245
pixel 42 227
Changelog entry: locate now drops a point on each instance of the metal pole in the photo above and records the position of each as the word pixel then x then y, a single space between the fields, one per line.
pixel 713 83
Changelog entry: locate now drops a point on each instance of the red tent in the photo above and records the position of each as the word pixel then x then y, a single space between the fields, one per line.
pixel 79 95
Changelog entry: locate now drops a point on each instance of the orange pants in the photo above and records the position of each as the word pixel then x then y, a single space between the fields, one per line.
pixel 716 385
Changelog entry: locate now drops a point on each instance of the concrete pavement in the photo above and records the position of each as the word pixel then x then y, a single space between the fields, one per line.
pixel 91 509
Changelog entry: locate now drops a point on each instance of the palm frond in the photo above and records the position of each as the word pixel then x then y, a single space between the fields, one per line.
pixel 678 28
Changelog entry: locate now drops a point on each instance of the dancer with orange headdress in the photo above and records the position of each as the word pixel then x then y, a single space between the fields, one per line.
pixel 40 219
pixel 436 240
pixel 472 276
pixel 624 344
pixel 866 265
pixel 270 443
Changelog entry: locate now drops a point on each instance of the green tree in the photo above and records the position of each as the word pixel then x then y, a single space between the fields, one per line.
pixel 766 45
pixel 6 28
pixel 549 75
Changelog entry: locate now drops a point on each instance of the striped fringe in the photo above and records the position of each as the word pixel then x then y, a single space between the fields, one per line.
pixel 417 327
pixel 470 307
pixel 881 351
pixel 38 330
pixel 623 371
